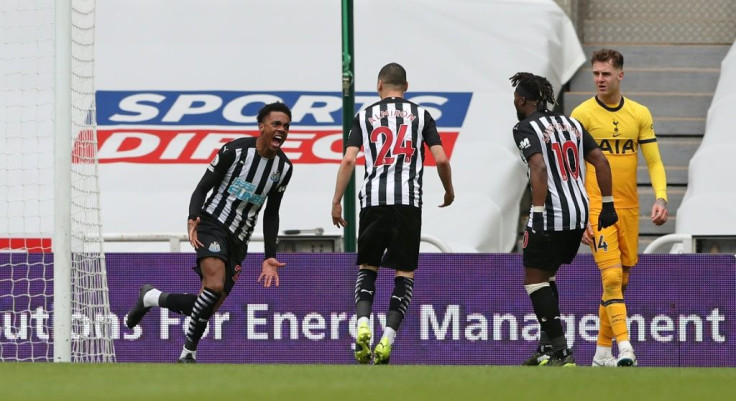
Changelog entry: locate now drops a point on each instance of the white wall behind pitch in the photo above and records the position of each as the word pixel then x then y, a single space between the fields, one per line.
pixel 446 46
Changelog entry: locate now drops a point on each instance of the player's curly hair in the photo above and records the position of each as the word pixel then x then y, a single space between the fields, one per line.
pixel 534 87
pixel 275 106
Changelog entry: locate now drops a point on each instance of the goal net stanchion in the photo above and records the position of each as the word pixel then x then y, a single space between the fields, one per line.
pixel 54 298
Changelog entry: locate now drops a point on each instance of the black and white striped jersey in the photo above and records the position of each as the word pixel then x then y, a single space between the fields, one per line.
pixel 563 142
pixel 392 133
pixel 240 181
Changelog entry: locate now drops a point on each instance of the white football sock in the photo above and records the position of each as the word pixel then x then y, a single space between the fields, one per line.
pixel 151 298
pixel 603 352
pixel 390 334
pixel 625 346
pixel 185 351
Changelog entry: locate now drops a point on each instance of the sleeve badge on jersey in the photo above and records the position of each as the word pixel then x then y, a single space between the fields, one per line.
pixel 236 273
pixel 215 160
pixel 524 143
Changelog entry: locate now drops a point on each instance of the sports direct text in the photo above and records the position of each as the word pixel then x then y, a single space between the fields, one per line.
pixel 164 127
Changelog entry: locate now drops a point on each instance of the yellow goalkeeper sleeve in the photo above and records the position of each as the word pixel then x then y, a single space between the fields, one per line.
pixel 656 168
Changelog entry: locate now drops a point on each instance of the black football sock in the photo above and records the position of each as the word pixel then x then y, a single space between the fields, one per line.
pixel 201 313
pixel 179 303
pixel 400 300
pixel 365 290
pixel 553 286
pixel 547 311
pixel 545 343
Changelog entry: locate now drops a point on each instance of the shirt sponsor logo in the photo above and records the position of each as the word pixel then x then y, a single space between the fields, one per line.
pixel 246 192
pixel 618 146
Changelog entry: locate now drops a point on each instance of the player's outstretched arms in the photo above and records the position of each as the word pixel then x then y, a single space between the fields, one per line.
pixel 269 272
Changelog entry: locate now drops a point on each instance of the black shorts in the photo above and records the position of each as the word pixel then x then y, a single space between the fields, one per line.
pixel 389 236
pixel 559 248
pixel 218 242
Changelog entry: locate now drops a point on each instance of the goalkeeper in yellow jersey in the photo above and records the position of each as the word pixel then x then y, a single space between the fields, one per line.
pixel 621 127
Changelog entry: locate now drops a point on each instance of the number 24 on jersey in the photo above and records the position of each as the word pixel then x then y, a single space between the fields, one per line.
pixel 393 145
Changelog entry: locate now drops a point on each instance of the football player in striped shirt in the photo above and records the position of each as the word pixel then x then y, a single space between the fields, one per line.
pixel 621 127
pixel 393 133
pixel 246 174
pixel 555 148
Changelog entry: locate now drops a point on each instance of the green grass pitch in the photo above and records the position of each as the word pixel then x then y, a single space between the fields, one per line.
pixel 211 382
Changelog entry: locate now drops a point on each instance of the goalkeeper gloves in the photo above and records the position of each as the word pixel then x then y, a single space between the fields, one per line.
pixel 608 216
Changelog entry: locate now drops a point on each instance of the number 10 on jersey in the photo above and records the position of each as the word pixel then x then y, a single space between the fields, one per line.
pixel 567 159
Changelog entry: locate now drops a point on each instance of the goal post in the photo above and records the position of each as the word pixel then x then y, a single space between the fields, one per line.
pixel 54 298
pixel 62 182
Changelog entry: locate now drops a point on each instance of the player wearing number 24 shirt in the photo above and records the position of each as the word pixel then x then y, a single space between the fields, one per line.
pixel 392 133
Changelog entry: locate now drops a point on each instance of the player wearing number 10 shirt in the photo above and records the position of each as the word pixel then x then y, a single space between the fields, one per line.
pixel 555 148
pixel 392 133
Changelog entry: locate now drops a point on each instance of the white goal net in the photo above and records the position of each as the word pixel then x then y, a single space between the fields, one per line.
pixel 54 303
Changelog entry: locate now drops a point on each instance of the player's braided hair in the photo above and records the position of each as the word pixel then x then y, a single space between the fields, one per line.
pixel 534 87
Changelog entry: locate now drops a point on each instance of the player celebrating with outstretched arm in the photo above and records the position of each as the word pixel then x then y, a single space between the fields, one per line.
pixel 244 175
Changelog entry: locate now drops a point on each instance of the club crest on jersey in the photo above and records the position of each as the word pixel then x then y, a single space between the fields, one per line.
pixel 214 247
pixel 276 176
pixel 615 129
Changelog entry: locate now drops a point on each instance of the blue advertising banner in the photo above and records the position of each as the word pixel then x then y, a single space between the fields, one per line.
pixel 467 309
